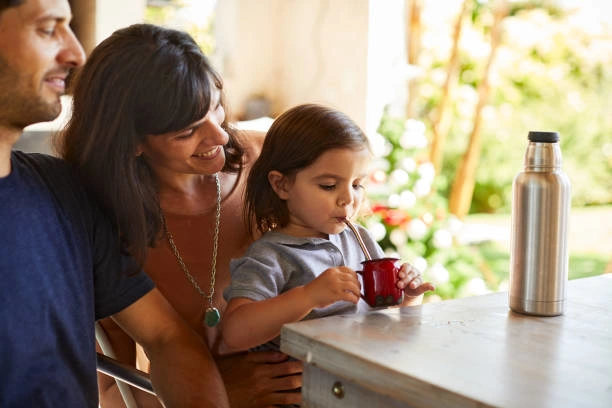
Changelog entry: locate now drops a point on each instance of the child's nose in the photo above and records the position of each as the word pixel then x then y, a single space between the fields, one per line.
pixel 345 199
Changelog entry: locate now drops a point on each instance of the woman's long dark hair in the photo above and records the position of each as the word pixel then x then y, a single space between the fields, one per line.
pixel 142 80
pixel 296 139
pixel 4 4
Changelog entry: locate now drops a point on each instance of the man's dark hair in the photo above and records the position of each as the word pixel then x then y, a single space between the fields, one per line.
pixel 4 4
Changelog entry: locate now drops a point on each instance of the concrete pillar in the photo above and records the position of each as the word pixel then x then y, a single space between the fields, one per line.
pixel 84 22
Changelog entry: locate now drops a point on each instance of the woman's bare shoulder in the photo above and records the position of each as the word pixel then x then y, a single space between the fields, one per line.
pixel 252 141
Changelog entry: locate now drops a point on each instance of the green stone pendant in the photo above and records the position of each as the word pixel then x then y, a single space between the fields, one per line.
pixel 212 316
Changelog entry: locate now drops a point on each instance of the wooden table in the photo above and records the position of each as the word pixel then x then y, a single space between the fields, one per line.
pixel 469 352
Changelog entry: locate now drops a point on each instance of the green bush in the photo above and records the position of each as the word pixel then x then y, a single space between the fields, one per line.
pixel 556 80
pixel 410 219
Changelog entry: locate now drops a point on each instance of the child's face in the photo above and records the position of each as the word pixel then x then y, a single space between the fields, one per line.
pixel 325 193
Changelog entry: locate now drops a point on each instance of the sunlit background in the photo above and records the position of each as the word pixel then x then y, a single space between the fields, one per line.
pixel 447 91
pixel 518 66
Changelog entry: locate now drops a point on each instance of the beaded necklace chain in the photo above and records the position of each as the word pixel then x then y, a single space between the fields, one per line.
pixel 212 315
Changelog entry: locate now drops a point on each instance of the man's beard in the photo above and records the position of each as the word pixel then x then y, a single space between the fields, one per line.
pixel 21 106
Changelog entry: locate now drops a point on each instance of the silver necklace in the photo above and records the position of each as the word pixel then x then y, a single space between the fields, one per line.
pixel 212 315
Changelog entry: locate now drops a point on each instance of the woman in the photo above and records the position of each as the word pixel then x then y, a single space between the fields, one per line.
pixel 149 136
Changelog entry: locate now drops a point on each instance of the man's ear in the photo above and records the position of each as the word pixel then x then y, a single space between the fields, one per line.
pixel 279 184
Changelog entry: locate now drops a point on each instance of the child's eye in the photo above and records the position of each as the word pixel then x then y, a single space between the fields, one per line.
pixel 327 187
pixel 358 186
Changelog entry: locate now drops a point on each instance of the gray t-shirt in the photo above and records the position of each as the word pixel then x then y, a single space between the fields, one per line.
pixel 276 263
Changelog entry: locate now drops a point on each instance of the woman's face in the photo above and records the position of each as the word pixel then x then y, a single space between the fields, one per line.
pixel 196 149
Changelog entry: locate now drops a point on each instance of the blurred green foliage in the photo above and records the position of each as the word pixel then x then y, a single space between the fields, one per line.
pixel 581 265
pixel 409 217
pixel 550 74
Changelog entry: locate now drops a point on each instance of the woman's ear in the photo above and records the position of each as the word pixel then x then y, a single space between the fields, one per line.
pixel 279 184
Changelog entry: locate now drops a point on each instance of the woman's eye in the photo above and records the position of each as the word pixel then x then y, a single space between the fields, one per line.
pixel 186 134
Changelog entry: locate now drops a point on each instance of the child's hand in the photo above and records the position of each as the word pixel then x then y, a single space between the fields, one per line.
pixel 334 284
pixel 411 281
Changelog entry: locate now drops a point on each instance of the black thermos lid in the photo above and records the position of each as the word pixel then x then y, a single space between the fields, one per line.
pixel 543 137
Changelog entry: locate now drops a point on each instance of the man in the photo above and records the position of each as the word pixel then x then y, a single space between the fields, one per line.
pixel 60 263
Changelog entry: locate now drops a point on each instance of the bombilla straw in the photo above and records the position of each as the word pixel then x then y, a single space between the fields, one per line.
pixel 358 236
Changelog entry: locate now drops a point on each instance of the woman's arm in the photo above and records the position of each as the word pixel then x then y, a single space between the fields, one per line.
pixel 252 380
pixel 182 369
pixel 124 350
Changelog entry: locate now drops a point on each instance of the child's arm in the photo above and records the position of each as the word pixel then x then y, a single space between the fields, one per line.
pixel 248 323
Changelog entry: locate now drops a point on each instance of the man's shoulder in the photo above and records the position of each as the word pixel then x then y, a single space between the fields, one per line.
pixel 40 162
pixel 54 174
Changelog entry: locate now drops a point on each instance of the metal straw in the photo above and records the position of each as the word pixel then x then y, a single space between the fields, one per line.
pixel 361 244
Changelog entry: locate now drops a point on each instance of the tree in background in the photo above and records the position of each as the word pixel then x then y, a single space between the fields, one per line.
pixel 463 187
pixel 547 72
pixel 441 123
pixel 414 30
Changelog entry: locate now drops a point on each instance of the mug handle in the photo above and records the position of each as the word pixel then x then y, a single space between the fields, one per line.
pixel 361 293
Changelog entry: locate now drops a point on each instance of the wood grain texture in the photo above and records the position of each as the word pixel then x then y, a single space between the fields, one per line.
pixel 469 352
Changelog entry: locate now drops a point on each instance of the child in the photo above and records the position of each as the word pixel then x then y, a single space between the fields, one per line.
pixel 308 179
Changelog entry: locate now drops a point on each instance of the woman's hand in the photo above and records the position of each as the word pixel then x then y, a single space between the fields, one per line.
pixel 411 281
pixel 261 379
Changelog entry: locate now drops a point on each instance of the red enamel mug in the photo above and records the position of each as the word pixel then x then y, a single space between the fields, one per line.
pixel 380 278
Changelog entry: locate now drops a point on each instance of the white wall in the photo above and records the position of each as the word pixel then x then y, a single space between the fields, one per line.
pixel 337 52
pixel 114 14
pixel 387 68
pixel 345 53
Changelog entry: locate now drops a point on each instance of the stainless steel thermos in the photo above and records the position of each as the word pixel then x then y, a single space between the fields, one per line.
pixel 540 212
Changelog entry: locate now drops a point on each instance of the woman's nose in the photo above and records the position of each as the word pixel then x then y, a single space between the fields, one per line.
pixel 214 132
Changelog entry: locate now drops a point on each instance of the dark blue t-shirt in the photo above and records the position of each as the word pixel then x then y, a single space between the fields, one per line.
pixel 60 269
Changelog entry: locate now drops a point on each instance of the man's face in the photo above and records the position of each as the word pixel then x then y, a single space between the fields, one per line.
pixel 37 51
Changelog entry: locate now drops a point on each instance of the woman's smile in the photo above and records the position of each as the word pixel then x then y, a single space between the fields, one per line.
pixel 212 153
